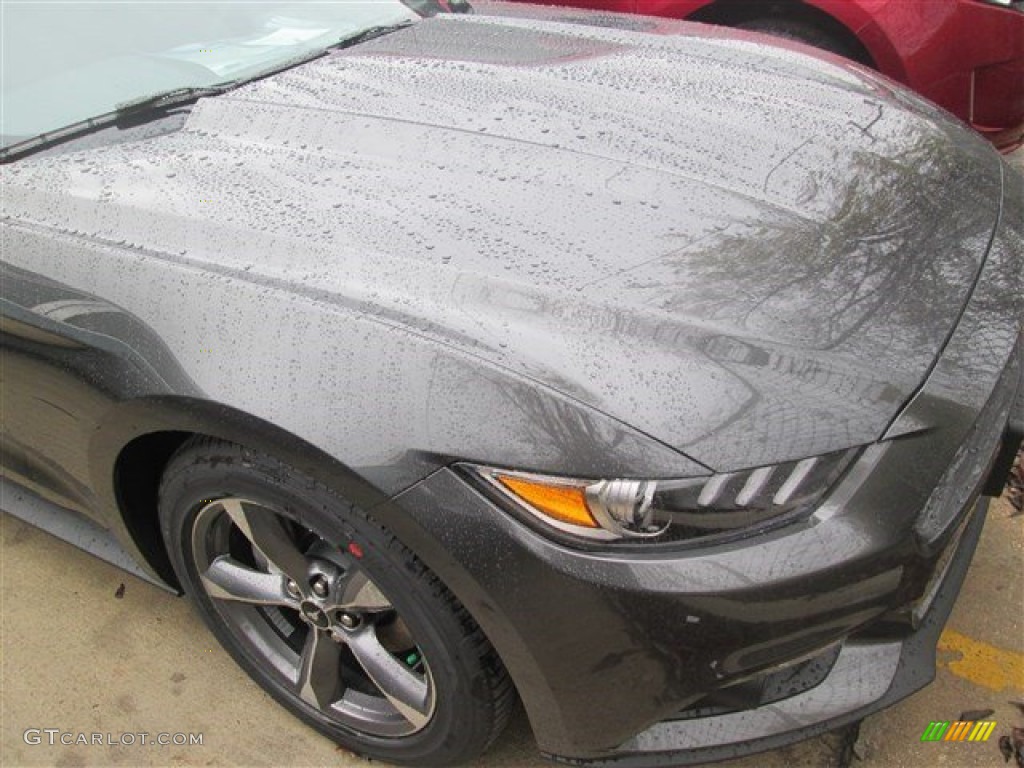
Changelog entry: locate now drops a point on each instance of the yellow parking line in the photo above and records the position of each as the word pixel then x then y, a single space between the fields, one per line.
pixel 982 664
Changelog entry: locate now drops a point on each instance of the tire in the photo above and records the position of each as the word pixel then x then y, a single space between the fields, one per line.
pixel 803 32
pixel 334 617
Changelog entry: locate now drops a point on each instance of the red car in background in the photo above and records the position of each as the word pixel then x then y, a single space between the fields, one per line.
pixel 964 55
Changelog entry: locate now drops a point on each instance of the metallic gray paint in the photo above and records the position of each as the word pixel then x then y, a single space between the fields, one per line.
pixel 421 200
pixel 556 248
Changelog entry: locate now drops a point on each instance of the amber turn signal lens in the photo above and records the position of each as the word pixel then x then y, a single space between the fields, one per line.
pixel 565 503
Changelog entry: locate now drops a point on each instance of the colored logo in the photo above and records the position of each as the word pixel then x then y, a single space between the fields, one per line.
pixel 960 730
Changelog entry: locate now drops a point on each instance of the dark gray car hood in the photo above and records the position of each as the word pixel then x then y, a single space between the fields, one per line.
pixel 746 253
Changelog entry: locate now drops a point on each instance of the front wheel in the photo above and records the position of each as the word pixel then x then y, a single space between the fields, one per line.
pixel 329 612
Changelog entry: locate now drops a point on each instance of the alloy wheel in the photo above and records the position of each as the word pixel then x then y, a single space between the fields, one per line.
pixel 308 612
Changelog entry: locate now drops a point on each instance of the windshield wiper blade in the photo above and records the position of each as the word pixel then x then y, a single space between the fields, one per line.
pixel 173 97
pixel 368 34
pixel 176 97
pixel 164 101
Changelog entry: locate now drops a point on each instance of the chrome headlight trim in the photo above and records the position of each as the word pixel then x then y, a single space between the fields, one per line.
pixel 665 510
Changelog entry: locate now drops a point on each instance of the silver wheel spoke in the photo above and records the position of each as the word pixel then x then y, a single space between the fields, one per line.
pixel 407 691
pixel 361 594
pixel 227 579
pixel 266 532
pixel 319 669
pixel 283 574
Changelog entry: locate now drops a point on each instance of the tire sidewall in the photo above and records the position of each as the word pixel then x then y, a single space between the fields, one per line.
pixel 457 723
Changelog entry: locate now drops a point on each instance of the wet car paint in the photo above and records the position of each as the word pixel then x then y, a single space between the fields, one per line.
pixel 337 183
pixel 683 622
pixel 357 264
pixel 965 55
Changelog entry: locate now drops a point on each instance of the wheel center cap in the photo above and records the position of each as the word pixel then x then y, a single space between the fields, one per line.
pixel 314 614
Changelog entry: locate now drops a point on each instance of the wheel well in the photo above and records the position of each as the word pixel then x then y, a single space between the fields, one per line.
pixel 137 474
pixel 729 13
pixel 140 464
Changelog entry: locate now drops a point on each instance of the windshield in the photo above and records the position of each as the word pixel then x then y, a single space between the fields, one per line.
pixel 64 62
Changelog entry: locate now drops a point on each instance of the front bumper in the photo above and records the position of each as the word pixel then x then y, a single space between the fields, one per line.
pixel 964 55
pixel 996 49
pixel 997 98
pixel 870 672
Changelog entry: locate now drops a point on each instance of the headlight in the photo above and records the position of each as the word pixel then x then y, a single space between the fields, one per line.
pixel 669 510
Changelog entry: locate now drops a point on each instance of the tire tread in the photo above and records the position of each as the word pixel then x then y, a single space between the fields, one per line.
pixel 501 698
